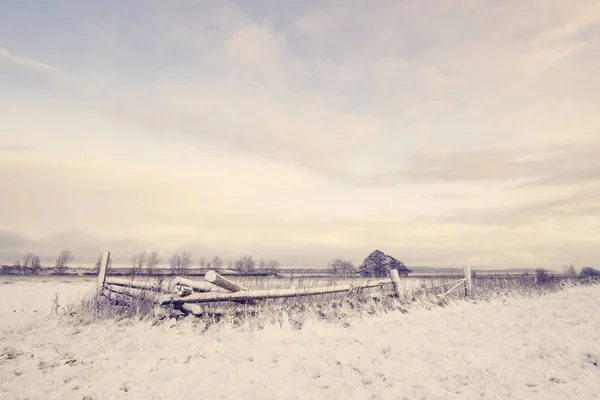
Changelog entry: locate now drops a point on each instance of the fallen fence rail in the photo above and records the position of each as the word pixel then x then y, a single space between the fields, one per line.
pixel 265 294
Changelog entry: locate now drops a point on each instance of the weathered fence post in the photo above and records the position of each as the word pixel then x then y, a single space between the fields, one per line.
pixel 103 267
pixel 468 283
pixel 396 279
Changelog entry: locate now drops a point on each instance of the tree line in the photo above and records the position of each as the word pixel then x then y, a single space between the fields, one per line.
pixel 31 263
pixel 377 264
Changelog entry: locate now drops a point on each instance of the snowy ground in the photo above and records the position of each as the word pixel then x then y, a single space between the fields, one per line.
pixel 542 348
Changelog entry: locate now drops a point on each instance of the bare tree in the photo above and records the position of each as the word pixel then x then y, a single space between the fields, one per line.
pixel 186 260
pixel 36 265
pixel 339 267
pixel 273 266
pixel 175 262
pixel 17 264
pixel 216 262
pixel 137 261
pixel 28 259
pixel 32 261
pixel 570 271
pixel 268 266
pixel 152 260
pixel 202 262
pixel 64 258
pixel 245 264
pixel 180 262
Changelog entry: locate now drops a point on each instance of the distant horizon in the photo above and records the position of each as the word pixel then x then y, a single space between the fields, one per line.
pixel 290 267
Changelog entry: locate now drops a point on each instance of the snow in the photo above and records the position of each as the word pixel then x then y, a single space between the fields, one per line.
pixel 530 348
pixel 24 300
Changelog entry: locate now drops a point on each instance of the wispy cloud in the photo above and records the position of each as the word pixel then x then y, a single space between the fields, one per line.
pixel 24 62
pixel 525 166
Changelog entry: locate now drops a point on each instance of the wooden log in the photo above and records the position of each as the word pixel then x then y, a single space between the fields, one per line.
pixel 266 294
pixel 396 280
pixel 195 309
pixel 103 268
pixel 137 293
pixel 162 313
pixel 195 285
pixel 131 283
pixel 114 296
pixel 198 310
pixel 216 279
pixel 181 290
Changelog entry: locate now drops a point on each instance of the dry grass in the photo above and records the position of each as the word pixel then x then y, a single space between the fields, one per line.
pixel 337 308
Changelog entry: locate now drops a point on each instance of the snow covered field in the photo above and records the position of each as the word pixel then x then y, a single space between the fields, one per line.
pixel 536 348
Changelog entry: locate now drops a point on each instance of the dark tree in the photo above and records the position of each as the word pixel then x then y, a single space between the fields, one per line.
pixel 541 276
pixel 398 265
pixel 589 272
pixel 376 264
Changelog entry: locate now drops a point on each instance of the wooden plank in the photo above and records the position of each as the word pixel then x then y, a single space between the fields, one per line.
pixel 216 279
pixel 266 294
pixel 103 267
pixel 453 288
pixel 441 284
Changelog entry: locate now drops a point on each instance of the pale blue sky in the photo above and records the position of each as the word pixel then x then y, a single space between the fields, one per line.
pixel 442 132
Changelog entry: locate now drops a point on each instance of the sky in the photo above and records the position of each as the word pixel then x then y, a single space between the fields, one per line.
pixel 441 132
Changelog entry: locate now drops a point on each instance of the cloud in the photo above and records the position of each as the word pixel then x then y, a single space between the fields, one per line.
pixel 24 62
pixel 348 91
pixel 527 166
pixel 571 209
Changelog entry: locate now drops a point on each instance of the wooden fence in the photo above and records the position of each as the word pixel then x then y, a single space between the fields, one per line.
pixel 186 295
